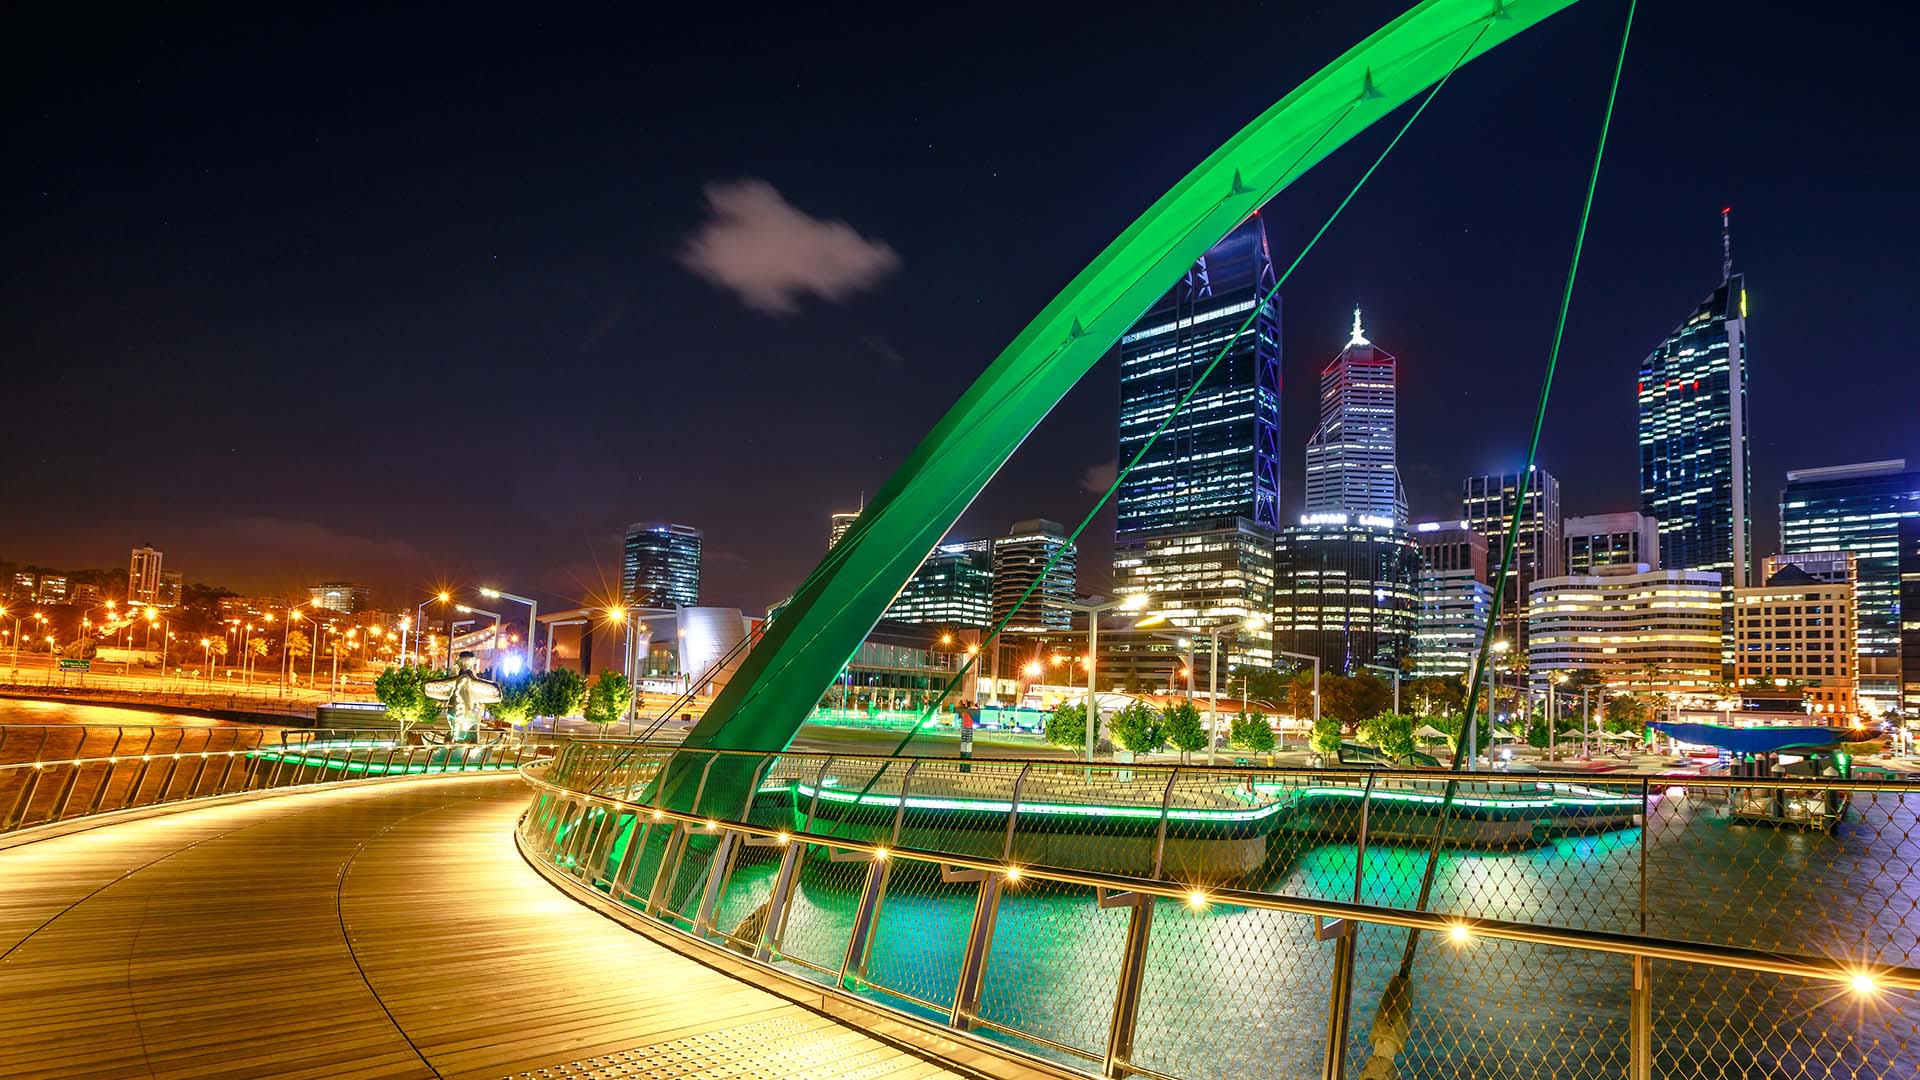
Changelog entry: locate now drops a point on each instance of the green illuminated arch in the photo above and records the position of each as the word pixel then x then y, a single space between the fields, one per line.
pixel 777 684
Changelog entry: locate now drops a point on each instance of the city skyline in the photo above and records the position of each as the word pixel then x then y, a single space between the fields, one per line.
pixel 938 297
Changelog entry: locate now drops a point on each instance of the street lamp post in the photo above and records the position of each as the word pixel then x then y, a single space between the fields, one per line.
pixel 1093 612
pixel 1316 678
pixel 1553 726
pixel 1395 672
pixel 533 618
pixel 16 641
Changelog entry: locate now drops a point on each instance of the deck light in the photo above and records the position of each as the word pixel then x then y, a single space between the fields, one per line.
pixel 1196 899
pixel 1458 933
pixel 1864 984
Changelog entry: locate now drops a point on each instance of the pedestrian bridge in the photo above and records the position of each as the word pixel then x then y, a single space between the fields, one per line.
pixel 366 910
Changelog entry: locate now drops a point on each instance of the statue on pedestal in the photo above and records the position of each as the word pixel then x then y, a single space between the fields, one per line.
pixel 464 694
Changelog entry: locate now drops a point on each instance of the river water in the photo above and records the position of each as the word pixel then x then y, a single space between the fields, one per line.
pixel 56 730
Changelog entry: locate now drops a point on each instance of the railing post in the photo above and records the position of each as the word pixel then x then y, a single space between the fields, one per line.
pixel 226 774
pixel 1340 1003
pixel 139 781
pixel 900 811
pixel 819 781
pixel 718 869
pixel 198 772
pixel 66 792
pixel 973 962
pixel 1013 813
pixel 166 779
pixel 100 793
pixel 1640 1021
pixel 1133 969
pixel 777 901
pixel 669 865
pixel 1160 831
pixel 1646 824
pixel 860 941
pixel 27 789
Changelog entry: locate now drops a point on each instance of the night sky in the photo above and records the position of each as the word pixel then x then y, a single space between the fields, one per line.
pixel 434 296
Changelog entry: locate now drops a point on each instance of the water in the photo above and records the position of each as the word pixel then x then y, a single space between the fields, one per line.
pixel 78 730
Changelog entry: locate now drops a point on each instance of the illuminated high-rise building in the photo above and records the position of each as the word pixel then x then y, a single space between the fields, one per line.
pixel 1453 595
pixel 1202 576
pixel 953 588
pixel 1801 626
pixel 1220 458
pixel 1346 590
pixel 1620 538
pixel 1692 395
pixel 1036 555
pixel 342 596
pixel 1487 505
pixel 660 565
pixel 143 576
pixel 1858 509
pixel 1652 631
pixel 841 522
pixel 1352 462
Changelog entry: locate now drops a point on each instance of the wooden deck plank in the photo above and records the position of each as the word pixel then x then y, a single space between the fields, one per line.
pixel 363 934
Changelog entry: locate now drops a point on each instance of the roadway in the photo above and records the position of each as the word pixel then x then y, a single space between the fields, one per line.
pixel 389 930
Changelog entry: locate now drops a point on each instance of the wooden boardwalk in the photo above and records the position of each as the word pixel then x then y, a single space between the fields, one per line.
pixel 379 931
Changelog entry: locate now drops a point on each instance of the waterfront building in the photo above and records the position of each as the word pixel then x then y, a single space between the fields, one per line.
pixel 1800 628
pixel 1345 590
pixel 342 596
pixel 1220 458
pixel 1640 629
pixel 1199 576
pixel 143 577
pixel 1454 598
pixel 660 564
pixel 953 588
pixel 1352 460
pixel 1858 509
pixel 1033 551
pixel 901 667
pixel 1692 396
pixel 1624 537
pixel 837 527
pixel 1487 505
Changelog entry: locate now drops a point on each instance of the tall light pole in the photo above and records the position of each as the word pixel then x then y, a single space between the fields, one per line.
pixel 1253 622
pixel 1093 612
pixel 1553 727
pixel 533 618
pixel 1316 678
pixel 1395 672
pixel 16 637
pixel 206 646
pixel 286 638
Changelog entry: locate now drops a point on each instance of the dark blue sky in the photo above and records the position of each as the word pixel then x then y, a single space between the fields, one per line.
pixel 397 297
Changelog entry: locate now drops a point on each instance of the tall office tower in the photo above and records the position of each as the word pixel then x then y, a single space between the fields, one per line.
pixel 342 596
pixel 172 584
pixel 1021 558
pixel 660 566
pixel 1613 539
pixel 1910 616
pixel 1487 504
pixel 1352 462
pixel 1693 433
pixel 953 588
pixel 1453 595
pixel 143 577
pixel 842 521
pixel 1803 628
pixel 1647 630
pixel 1859 508
pixel 1221 457
pixel 1344 589
pixel 1219 574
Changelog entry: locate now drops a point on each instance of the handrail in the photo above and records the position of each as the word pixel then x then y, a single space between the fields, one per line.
pixel 1777 963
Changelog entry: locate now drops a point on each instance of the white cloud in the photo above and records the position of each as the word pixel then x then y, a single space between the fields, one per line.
pixel 771 253
pixel 1099 478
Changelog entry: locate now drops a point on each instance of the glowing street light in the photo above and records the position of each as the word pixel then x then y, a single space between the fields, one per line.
pixel 1130 602
pixel 533 618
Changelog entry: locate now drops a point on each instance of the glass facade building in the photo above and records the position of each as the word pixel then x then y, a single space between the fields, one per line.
pixel 1352 459
pixel 1220 459
pixel 143 576
pixel 1653 631
pixel 1202 576
pixel 1619 539
pixel 1487 504
pixel 1455 601
pixel 1026 555
pixel 660 565
pixel 1346 590
pixel 1858 509
pixel 1694 479
pixel 953 588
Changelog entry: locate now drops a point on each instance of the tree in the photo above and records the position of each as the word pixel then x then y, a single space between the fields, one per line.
pixel 1300 695
pixel 1353 698
pixel 1391 733
pixel 562 693
pixel 1326 736
pixel 609 697
pixel 1180 725
pixel 517 696
pixel 1265 684
pixel 299 645
pixel 1626 714
pixel 1136 728
pixel 1067 726
pixel 1251 732
pixel 1437 695
pixel 403 691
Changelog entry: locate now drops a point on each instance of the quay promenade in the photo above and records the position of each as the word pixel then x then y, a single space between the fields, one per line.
pixel 383 930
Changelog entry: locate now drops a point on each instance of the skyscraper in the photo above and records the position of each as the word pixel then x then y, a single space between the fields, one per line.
pixel 1639 629
pixel 1859 508
pixel 1693 433
pixel 143 576
pixel 1453 596
pixel 342 596
pixel 1344 589
pixel 1022 557
pixel 660 566
pixel 841 522
pixel 1352 463
pixel 1487 504
pixel 1221 457
pixel 953 588
pixel 1219 574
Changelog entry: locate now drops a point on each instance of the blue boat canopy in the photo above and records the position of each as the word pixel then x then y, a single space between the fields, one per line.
pixel 1769 739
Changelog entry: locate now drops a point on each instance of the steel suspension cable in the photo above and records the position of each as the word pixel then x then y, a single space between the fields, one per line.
pixel 1395 999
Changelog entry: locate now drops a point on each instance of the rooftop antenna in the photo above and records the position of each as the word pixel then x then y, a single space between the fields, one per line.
pixel 1726 243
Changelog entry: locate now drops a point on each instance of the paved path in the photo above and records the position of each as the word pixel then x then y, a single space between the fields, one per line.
pixel 379 931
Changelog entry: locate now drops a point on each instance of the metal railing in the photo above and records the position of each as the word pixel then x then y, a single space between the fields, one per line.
pixel 1225 922
pixel 44 792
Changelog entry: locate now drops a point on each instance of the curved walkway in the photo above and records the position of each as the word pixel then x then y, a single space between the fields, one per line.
pixel 379 931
